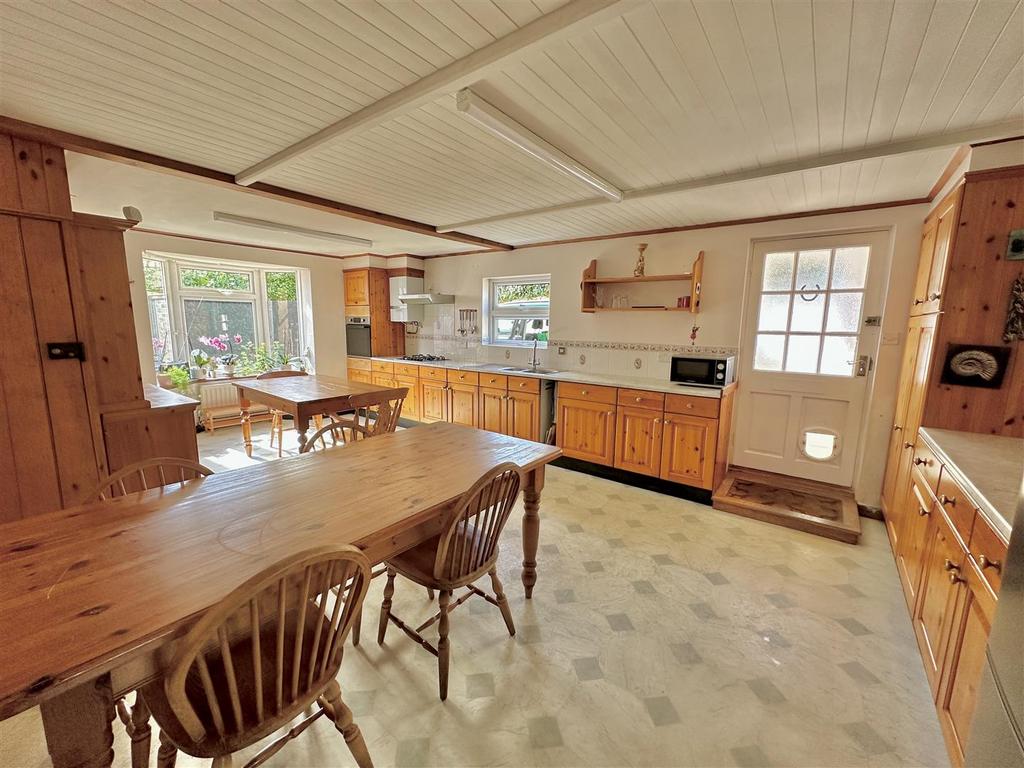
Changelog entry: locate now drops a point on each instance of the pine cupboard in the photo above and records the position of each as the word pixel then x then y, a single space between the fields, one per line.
pixel 67 417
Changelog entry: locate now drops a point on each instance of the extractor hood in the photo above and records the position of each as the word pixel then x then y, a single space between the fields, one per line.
pixel 426 298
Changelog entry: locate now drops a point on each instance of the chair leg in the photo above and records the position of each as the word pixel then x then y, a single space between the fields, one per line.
pixel 443 646
pixel 318 422
pixel 222 761
pixel 347 728
pixel 280 436
pixel 356 624
pixel 385 607
pixel 499 594
pixel 273 428
pixel 167 755
pixel 430 593
pixel 140 732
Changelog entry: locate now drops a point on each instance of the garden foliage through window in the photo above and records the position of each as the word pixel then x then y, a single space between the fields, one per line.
pixel 517 309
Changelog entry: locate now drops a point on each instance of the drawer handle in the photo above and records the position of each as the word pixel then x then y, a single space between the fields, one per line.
pixel 934 296
pixel 947 501
pixel 897 428
pixel 582 391
pixel 984 562
pixel 690 406
pixel 954 571
pixel 919 301
pixel 956 578
pixel 639 399
pixel 949 565
pixel 908 445
pixel 919 461
pixel 523 384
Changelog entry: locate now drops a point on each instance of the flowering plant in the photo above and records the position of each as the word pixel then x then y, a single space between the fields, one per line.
pixel 200 358
pixel 223 343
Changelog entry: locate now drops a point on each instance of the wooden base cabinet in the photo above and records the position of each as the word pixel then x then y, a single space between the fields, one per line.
pixel 492 410
pixel 522 417
pixel 688 450
pixel 411 407
pixel 433 400
pixel 586 430
pixel 913 537
pixel 638 440
pixel 462 404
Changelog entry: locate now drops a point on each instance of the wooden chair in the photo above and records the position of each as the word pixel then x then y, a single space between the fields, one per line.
pixel 262 656
pixel 141 476
pixel 465 550
pixel 368 419
pixel 149 473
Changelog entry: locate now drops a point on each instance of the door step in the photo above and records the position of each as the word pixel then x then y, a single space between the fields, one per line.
pixel 806 505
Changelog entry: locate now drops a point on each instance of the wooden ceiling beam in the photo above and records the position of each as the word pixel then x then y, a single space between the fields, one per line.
pixel 107 151
pixel 572 18
pixel 950 139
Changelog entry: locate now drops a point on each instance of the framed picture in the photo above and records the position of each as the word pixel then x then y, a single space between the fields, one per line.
pixel 975 365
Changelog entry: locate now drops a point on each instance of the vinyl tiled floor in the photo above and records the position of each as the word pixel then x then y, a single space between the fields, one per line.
pixel 661 633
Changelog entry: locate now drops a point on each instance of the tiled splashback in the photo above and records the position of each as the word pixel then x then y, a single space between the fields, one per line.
pixel 439 336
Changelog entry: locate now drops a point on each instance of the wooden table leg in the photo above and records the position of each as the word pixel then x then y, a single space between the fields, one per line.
pixel 244 402
pixel 302 427
pixel 77 726
pixel 531 527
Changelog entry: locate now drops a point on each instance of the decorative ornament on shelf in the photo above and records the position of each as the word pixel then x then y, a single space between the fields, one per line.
pixel 638 271
pixel 693 334
pixel 1014 330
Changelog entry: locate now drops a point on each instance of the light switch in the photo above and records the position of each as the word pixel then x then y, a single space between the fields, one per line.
pixel 890 339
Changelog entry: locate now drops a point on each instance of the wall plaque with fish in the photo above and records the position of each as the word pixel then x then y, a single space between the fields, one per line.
pixel 975 365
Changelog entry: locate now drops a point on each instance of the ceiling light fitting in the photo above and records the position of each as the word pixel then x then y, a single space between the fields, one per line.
pixel 274 226
pixel 497 122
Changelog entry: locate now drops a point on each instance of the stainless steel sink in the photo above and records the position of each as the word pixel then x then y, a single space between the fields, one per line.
pixel 530 370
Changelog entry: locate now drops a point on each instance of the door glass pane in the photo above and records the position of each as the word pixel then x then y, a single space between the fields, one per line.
pixel 774 312
pixel 283 312
pixel 807 315
pixel 778 272
pixel 768 352
pixel 812 270
pixel 802 356
pixel 844 312
pixel 837 355
pixel 850 268
pixel 228 324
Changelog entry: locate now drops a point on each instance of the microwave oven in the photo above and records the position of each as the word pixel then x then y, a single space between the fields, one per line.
pixel 704 371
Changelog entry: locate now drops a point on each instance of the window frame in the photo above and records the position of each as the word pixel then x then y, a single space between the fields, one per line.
pixel 491 314
pixel 176 295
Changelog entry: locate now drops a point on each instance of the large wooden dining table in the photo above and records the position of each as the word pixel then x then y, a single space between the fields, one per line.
pixel 305 397
pixel 92 598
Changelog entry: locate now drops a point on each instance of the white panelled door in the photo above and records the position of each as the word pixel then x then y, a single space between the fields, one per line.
pixel 804 361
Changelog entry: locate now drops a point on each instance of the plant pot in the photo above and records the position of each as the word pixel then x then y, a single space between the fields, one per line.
pixel 164 381
pixel 195 372
pixel 211 372
pixel 227 370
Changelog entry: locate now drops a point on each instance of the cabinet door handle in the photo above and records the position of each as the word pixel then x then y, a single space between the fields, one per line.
pixel 984 562
pixel 947 501
pixel 956 578
pixel 611 413
pixel 919 301
pixel 668 421
pixel 919 461
pixel 908 445
pixel 934 296
pixel 949 565
pixel 657 421
pixel 897 428
pixel 922 511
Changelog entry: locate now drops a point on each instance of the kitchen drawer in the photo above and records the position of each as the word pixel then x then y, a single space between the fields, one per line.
pixel 640 398
pixel 358 363
pixel 688 405
pixel 405 369
pixel 988 551
pixel 960 508
pixel 523 384
pixel 927 465
pixel 494 380
pixel 586 392
pixel 433 372
pixel 381 366
pixel 463 377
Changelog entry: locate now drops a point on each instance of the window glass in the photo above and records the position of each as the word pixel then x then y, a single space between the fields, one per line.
pixel 227 325
pixel 159 312
pixel 518 310
pixel 217 279
pixel 811 302
pixel 283 311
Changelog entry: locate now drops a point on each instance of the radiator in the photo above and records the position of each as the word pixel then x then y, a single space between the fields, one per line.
pixel 218 396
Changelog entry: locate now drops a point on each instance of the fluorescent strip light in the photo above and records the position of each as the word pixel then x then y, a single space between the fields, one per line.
pixel 503 126
pixel 274 226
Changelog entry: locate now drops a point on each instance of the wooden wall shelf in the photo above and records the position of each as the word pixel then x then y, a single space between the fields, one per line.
pixel 591 281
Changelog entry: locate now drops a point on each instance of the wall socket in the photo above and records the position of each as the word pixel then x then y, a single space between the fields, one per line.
pixel 561 350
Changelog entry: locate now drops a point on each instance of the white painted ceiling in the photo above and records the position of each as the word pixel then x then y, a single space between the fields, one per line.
pixel 666 91
pixel 185 206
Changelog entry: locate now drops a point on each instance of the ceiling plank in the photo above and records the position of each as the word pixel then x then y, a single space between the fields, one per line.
pixel 1000 130
pixel 86 146
pixel 569 19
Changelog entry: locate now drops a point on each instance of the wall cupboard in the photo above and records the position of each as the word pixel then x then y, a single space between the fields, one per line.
pixel 947 554
pixel 66 420
pixel 368 294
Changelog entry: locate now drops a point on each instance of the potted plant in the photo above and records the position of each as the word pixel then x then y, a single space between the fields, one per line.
pixel 179 378
pixel 203 361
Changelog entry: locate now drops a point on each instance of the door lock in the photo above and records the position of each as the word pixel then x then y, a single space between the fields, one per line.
pixel 863 364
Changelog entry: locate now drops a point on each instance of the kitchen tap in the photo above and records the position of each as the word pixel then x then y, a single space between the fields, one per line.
pixel 535 363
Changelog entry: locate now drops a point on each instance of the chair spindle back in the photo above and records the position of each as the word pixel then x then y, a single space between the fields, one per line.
pixel 151 473
pixel 469 544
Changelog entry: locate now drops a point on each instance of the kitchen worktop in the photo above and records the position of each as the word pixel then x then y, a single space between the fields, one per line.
pixel 988 467
pixel 633 382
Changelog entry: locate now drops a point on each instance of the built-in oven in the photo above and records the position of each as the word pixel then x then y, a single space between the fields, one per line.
pixel 706 371
pixel 357 336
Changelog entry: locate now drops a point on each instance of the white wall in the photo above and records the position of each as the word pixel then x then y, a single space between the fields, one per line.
pixel 726 250
pixel 326 287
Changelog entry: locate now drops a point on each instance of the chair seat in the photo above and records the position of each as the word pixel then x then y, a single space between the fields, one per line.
pixel 242 660
pixel 417 564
